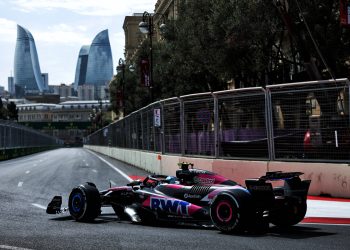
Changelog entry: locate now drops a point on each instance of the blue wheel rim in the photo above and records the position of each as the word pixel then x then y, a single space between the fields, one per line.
pixel 77 202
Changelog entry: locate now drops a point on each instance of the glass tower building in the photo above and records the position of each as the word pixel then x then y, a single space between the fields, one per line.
pixel 27 74
pixel 80 71
pixel 99 70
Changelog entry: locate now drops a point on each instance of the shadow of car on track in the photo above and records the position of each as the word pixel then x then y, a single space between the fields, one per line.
pixel 105 218
pixel 108 218
pixel 293 232
pixel 297 232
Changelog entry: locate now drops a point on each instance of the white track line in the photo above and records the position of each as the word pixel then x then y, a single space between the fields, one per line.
pixel 27 172
pixel 94 170
pixel 20 184
pixel 112 166
pixel 328 209
pixel 13 248
pixel 327 224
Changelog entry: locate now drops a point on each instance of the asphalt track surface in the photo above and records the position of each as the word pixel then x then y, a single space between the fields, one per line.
pixel 27 184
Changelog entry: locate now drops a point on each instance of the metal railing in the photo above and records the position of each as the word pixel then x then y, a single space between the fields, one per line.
pixel 306 121
pixel 13 135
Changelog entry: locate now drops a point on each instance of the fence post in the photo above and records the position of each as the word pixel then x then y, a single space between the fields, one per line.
pixel 182 126
pixel 162 139
pixel 269 125
pixel 216 126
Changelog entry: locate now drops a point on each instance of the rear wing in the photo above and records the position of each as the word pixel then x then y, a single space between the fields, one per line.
pixel 264 193
pixel 279 175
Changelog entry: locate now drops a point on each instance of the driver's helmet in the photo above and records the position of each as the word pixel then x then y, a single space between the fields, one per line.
pixel 171 179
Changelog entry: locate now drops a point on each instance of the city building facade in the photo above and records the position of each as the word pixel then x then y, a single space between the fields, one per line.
pixel 165 11
pixel 11 85
pixel 2 91
pixel 86 92
pixel 133 35
pixel 45 77
pixel 62 90
pixel 69 121
pixel 27 75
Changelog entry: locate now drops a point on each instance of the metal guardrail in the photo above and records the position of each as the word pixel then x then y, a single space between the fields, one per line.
pixel 306 121
pixel 14 135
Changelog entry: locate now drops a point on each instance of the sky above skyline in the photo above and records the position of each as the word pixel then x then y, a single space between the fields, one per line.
pixel 60 28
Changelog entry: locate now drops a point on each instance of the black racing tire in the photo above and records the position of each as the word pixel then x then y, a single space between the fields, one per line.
pixel 231 212
pixel 84 202
pixel 292 212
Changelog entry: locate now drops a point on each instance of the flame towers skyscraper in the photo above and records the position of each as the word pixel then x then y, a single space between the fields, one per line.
pixel 100 65
pixel 94 67
pixel 80 71
pixel 95 64
pixel 27 74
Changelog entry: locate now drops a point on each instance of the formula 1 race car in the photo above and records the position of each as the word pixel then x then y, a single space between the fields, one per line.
pixel 197 196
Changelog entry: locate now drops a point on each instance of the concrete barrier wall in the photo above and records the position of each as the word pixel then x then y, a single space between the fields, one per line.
pixel 326 178
pixel 10 153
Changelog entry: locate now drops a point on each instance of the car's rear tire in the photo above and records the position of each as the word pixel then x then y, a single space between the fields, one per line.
pixel 84 202
pixel 292 212
pixel 230 212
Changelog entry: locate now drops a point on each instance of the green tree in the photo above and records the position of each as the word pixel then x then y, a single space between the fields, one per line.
pixel 135 95
pixel 1 109
pixel 253 42
pixel 12 111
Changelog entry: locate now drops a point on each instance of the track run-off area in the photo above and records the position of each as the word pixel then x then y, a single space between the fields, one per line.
pixel 28 184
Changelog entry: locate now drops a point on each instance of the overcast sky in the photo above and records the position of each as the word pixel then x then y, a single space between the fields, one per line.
pixel 60 28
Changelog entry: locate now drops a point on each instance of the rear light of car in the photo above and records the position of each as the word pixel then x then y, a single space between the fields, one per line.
pixel 307 139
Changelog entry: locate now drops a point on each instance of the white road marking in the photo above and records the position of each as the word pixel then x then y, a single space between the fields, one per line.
pixel 20 184
pixel 112 166
pixel 27 172
pixel 39 206
pixel 13 248
pixel 328 224
pixel 319 208
pixel 94 170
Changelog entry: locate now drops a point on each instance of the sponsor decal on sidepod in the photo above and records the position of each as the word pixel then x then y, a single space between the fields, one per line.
pixel 169 205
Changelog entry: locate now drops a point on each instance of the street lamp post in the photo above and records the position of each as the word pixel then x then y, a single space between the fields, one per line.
pixel 147 27
pixel 101 112
pixel 121 69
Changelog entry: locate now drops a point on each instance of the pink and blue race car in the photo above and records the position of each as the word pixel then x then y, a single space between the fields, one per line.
pixel 196 196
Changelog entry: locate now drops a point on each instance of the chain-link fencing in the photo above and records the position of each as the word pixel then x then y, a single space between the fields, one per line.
pixel 13 135
pixel 306 121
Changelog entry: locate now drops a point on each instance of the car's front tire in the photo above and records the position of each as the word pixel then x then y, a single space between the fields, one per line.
pixel 84 202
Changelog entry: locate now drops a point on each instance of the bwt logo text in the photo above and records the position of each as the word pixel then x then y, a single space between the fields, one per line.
pixel 170 205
